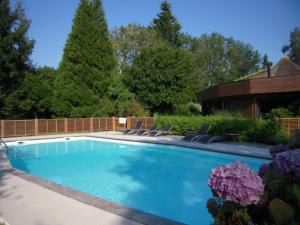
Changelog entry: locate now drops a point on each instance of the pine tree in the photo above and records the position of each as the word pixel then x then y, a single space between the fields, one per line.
pixel 167 26
pixel 265 62
pixel 15 50
pixel 87 63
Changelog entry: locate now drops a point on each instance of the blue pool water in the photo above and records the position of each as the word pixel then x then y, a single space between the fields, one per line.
pixel 164 180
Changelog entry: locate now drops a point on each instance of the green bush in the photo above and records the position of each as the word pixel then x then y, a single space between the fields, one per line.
pixel 279 113
pixel 189 109
pixel 261 131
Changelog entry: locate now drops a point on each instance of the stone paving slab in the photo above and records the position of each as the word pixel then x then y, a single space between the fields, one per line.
pixel 25 203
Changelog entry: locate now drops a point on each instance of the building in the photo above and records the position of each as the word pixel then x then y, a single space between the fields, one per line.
pixel 256 94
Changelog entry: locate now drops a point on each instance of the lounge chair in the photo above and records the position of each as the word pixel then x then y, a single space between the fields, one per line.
pixel 167 130
pixel 203 130
pixel 145 132
pixel 207 139
pixel 137 128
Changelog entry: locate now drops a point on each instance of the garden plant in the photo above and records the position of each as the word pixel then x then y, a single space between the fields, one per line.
pixel 271 196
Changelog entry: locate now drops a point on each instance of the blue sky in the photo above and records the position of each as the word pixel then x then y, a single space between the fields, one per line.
pixel 265 24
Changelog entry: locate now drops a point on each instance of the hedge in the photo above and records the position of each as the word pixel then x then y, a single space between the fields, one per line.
pixel 260 131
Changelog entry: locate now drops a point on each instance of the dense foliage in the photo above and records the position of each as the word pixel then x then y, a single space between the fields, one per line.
pixel 279 113
pixel 266 62
pixel 132 70
pixel 167 26
pixel 129 40
pixel 162 77
pixel 261 131
pixel 87 63
pixel 34 96
pixel 293 48
pixel 276 192
pixel 220 59
pixel 15 49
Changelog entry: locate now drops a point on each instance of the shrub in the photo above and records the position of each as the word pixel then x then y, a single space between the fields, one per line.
pixel 278 203
pixel 261 131
pixel 136 109
pixel 189 109
pixel 279 113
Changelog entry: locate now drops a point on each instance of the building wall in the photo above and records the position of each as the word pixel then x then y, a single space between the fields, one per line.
pixel 245 105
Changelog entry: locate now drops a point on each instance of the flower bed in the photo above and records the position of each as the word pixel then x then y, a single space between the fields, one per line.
pixel 243 197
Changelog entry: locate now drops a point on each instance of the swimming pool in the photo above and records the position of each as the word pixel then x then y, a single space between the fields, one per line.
pixel 163 180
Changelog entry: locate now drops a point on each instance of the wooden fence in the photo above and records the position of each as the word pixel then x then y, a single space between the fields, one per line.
pixel 290 124
pixel 15 128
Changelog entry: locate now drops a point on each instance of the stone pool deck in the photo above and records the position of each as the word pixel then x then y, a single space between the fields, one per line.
pixel 25 199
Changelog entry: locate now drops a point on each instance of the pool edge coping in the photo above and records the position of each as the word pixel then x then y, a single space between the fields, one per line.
pixel 161 142
pixel 132 214
pixel 183 144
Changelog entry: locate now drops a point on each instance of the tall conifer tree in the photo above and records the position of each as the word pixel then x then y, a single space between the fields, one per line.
pixel 15 50
pixel 266 62
pixel 167 25
pixel 87 64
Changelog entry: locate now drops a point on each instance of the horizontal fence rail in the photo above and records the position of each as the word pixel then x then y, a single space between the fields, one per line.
pixel 18 128
pixel 290 124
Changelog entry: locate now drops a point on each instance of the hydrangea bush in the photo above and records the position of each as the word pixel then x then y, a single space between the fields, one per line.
pixel 237 183
pixel 243 197
pixel 288 162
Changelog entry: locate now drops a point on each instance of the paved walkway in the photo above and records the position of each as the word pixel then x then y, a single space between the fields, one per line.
pixel 23 202
pixel 247 149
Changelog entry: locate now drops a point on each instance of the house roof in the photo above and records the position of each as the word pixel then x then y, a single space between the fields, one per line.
pixel 285 77
pixel 284 67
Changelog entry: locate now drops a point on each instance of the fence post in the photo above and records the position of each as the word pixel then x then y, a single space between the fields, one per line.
pixel 288 126
pixel 91 124
pixel 82 120
pixel 113 123
pixel 56 126
pixel 66 125
pixel 2 128
pixel 99 124
pixel 36 126
pixel 128 123
pixel 47 126
pixel 15 128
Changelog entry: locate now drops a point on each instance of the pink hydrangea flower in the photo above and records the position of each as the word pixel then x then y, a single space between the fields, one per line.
pixel 237 183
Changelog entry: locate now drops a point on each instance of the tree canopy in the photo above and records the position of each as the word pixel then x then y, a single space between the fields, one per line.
pixel 162 76
pixel 220 59
pixel 167 26
pixel 33 98
pixel 266 62
pixel 87 64
pixel 15 50
pixel 293 48
pixel 127 71
pixel 129 40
